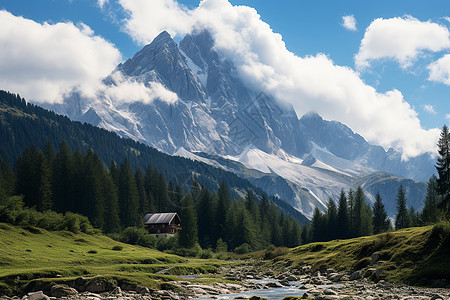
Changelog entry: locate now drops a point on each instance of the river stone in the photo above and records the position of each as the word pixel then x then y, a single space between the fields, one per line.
pixel 375 258
pixel 334 277
pixel 37 296
pixel 291 278
pixel 329 292
pixel 62 290
pixel 437 297
pixel 275 284
pixel 355 275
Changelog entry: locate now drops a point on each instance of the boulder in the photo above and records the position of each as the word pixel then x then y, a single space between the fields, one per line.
pixel 37 296
pixel 275 284
pixel 355 275
pixel 62 290
pixel 334 277
pixel 375 258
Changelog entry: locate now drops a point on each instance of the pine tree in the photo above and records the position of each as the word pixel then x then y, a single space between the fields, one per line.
pixel 188 236
pixel 318 224
pixel 111 213
pixel 331 217
pixel 380 219
pixel 142 195
pixel 128 197
pixel 402 218
pixel 443 169
pixel 342 217
pixel 222 209
pixel 430 212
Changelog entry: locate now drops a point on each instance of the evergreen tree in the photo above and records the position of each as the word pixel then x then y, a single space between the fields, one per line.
pixel 128 197
pixel 402 218
pixel 142 195
pixel 111 213
pixel 332 219
pixel 443 169
pixel 7 177
pixel 63 182
pixel 430 212
pixel 380 219
pixel 414 217
pixel 222 209
pixel 318 226
pixel 188 236
pixel 342 217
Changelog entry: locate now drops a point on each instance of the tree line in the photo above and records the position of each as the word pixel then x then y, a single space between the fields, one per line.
pixel 353 216
pixel 116 197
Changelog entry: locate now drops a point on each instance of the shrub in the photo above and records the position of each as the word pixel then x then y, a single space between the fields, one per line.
pixel 242 249
pixel 189 252
pixel 221 246
pixel 137 236
pixel 164 244
pixel 275 253
pixel 71 222
pixel 117 248
pixel 206 254
pixel 10 208
pixel 92 251
pixel 50 220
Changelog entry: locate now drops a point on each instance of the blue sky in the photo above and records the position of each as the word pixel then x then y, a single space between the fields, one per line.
pixel 308 28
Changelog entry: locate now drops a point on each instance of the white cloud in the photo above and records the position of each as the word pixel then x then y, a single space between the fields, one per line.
pixel 447 116
pixel 312 83
pixel 440 70
pixel 127 91
pixel 429 109
pixel 43 62
pixel 101 3
pixel 400 39
pixel 349 22
pixel 447 19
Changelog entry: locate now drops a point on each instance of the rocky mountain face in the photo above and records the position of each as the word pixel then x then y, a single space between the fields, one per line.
pixel 220 120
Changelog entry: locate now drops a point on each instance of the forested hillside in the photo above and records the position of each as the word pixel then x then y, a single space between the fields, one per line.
pixel 23 125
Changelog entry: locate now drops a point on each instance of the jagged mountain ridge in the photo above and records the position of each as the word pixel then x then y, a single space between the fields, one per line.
pixel 217 114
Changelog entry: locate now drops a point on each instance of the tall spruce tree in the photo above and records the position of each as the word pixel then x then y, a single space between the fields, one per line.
pixel 402 217
pixel 342 217
pixel 380 219
pixel 188 236
pixel 443 169
pixel 128 197
pixel 331 217
pixel 430 212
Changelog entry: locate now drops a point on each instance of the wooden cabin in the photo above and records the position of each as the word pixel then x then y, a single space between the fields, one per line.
pixel 162 224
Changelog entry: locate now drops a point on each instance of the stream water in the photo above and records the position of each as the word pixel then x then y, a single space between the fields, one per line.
pixel 271 293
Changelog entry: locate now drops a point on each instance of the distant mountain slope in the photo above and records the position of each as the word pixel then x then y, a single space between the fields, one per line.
pixel 23 124
pixel 220 115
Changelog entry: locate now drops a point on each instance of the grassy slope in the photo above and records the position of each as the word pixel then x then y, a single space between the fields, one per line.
pixel 67 254
pixel 415 256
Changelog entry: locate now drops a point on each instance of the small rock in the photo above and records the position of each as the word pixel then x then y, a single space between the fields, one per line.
pixel 334 277
pixel 275 284
pixel 378 273
pixel 375 258
pixel 37 296
pixel 437 297
pixel 329 292
pixel 291 278
pixel 355 275
pixel 62 290
pixel 28 250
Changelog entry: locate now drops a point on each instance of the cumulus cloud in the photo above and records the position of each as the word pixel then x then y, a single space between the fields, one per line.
pixel 349 22
pixel 312 83
pixel 101 3
pixel 429 109
pixel 124 90
pixel 440 70
pixel 400 39
pixel 45 61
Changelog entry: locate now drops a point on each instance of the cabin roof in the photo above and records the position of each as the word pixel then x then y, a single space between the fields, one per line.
pixel 159 218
